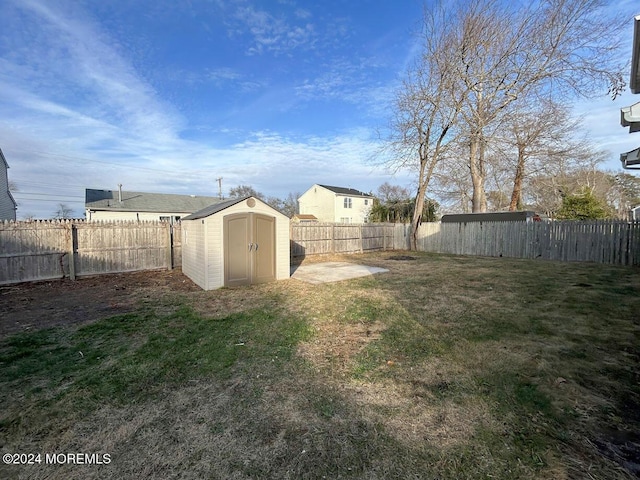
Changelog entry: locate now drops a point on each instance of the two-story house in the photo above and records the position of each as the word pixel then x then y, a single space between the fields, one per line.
pixel 336 204
pixel 110 205
pixel 7 203
pixel 630 116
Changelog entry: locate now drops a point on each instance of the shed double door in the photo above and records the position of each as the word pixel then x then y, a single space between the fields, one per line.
pixel 249 249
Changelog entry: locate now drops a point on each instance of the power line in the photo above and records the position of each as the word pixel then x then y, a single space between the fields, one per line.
pixel 48 194
pixel 32 200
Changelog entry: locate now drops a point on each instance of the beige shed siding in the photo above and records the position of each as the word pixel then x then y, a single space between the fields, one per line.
pixel 215 249
pixel 215 260
pixel 193 235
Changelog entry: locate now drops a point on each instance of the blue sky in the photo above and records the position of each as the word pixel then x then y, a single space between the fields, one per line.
pixel 166 96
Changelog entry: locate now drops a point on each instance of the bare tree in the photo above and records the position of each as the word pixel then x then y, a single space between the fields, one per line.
pixel 536 135
pixel 388 193
pixel 500 54
pixel 426 109
pixel 244 191
pixel 63 211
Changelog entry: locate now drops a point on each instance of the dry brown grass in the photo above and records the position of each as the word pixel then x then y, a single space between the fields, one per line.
pixel 445 367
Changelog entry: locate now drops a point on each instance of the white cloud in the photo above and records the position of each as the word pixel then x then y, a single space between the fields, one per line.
pixel 272 33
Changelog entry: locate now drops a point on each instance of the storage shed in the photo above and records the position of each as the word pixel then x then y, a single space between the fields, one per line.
pixel 236 242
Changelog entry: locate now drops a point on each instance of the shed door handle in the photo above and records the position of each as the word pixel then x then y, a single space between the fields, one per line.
pixel 256 246
pixel 250 246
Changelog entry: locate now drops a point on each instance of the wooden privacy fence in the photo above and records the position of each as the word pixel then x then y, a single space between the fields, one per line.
pixel 43 250
pixel 612 242
pixel 316 238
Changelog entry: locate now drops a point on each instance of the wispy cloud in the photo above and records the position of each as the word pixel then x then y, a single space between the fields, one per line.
pixel 75 52
pixel 272 33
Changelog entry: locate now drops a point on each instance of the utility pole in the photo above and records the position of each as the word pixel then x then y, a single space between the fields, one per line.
pixel 219 179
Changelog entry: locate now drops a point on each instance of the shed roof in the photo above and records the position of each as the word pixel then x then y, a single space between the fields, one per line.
pixel 345 191
pixel 211 209
pixel 145 202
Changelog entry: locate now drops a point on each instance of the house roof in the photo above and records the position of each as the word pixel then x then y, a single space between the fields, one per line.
pixel 634 84
pixel 145 202
pixel 630 117
pixel 4 160
pixel 346 191
pixel 631 160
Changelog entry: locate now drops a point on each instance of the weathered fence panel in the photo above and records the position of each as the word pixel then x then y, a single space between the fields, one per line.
pixel 612 242
pixel 121 247
pixel 317 238
pixel 44 250
pixel 34 251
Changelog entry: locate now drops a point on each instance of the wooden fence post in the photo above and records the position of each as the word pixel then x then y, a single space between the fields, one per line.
pixel 333 238
pixel 71 252
pixel 169 250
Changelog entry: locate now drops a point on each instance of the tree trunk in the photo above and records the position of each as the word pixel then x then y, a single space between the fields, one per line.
pixel 476 165
pixel 417 212
pixel 516 195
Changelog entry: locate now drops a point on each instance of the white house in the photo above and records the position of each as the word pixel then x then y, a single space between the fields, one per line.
pixel 120 205
pixel 630 116
pixel 7 203
pixel 336 204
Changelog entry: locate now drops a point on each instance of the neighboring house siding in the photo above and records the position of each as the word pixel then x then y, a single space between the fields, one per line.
pixel 329 206
pixel 320 202
pixel 139 216
pixel 7 203
pixel 358 212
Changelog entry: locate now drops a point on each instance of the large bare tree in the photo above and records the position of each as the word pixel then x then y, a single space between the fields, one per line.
pixel 426 108
pixel 480 57
pixel 553 47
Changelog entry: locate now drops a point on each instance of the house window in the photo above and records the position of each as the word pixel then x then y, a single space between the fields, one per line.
pixel 345 220
pixel 347 202
pixel 366 201
pixel 165 219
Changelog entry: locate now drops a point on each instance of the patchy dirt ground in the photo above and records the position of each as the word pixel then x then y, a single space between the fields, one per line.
pixel 36 305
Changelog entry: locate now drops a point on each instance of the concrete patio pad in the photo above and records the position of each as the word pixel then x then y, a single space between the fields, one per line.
pixel 332 272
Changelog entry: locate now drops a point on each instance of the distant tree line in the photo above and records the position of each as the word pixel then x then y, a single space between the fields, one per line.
pixel 288 205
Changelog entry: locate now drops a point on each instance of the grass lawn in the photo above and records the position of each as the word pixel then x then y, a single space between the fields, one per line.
pixel 444 368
